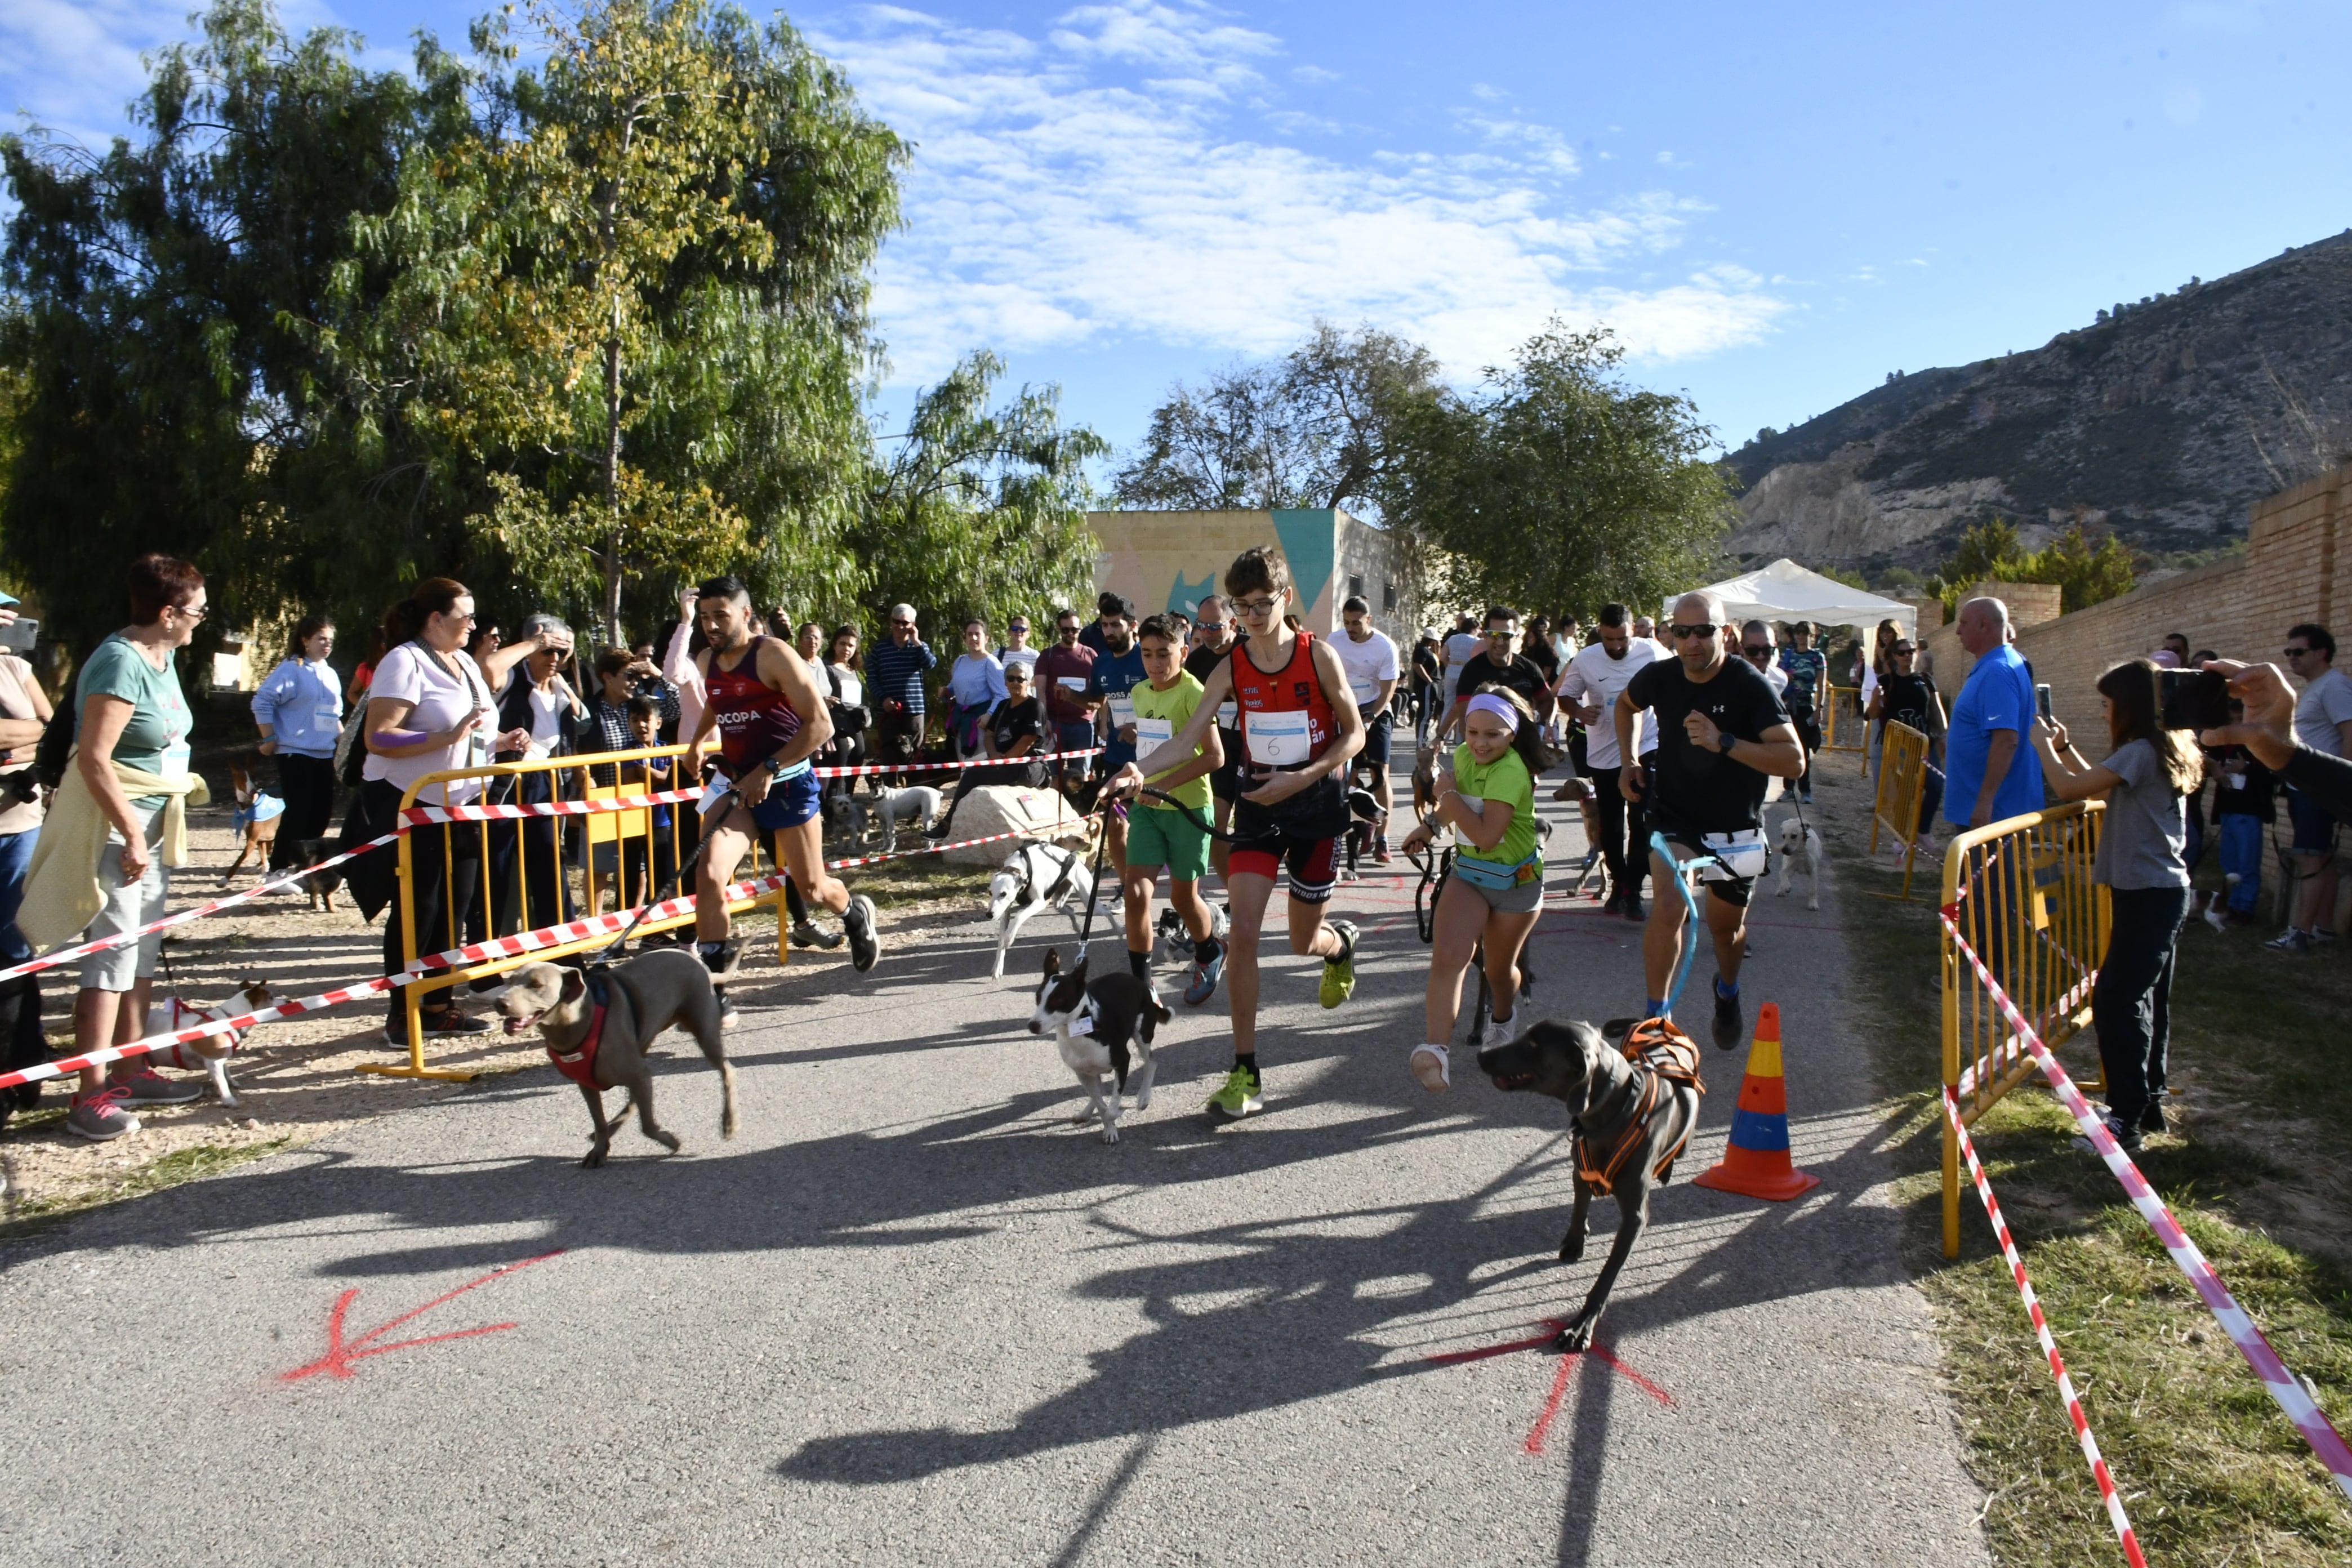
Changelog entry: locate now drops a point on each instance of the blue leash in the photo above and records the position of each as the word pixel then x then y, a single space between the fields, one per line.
pixel 1682 885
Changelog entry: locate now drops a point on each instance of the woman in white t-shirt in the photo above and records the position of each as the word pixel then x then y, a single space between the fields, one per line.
pixel 430 709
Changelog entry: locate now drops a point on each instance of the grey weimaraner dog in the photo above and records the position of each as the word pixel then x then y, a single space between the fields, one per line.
pixel 1631 1112
pixel 598 1025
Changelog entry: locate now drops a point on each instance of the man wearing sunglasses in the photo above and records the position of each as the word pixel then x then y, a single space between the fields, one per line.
pixel 1808 669
pixel 894 682
pixel 2323 722
pixel 1589 686
pixel 1500 664
pixel 1721 733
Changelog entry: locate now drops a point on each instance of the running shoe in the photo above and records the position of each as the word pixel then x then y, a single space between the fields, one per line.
pixel 1730 1028
pixel 2290 940
pixel 449 1022
pixel 1430 1069
pixel 145 1086
pixel 1238 1097
pixel 2127 1136
pixel 1499 1032
pixel 2152 1119
pixel 1339 973
pixel 1632 908
pixel 865 945
pixel 808 933
pixel 1205 979
pixel 728 1012
pixel 99 1117
pixel 1381 855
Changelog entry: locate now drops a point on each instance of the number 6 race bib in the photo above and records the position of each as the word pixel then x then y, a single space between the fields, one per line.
pixel 1278 740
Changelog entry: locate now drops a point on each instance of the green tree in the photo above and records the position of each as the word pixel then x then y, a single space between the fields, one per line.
pixel 2087 576
pixel 636 295
pixel 1556 485
pixel 979 512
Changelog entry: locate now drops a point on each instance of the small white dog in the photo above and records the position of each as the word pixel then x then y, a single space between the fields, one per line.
pixel 212 1052
pixel 1032 879
pixel 916 803
pixel 1800 843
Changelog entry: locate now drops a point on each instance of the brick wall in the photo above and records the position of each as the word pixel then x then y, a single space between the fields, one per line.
pixel 2239 608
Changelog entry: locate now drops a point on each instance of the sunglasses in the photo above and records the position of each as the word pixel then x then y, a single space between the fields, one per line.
pixel 1901 653
pixel 1757 649
pixel 2297 652
pixel 1505 635
pixel 1703 629
pixel 1018 626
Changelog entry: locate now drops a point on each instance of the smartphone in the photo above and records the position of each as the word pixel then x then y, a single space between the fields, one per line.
pixel 2042 703
pixel 20 635
pixel 2194 698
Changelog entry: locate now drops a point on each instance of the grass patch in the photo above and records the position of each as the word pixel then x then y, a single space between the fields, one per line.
pixel 2211 1470
pixel 38 1214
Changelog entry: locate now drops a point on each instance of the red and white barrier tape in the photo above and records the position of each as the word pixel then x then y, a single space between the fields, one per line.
pixel 56 956
pixel 2107 1493
pixel 922 767
pixel 2282 1386
pixel 415 815
pixel 472 952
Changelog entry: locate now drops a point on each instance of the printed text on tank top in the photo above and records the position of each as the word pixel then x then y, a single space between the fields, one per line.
pixel 1286 715
pixel 755 719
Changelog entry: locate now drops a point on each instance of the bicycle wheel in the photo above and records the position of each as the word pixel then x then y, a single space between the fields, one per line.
pixel 1483 1008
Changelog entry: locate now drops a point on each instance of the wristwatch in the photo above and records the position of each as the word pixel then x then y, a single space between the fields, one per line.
pixel 1724 740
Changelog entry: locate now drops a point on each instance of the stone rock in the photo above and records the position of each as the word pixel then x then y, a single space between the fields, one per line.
pixel 1042 814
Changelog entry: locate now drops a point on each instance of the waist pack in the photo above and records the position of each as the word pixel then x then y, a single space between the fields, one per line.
pixel 1318 811
pixel 1495 876
pixel 1741 855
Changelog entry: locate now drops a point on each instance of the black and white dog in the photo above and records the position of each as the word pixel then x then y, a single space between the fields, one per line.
pixel 1034 878
pixel 1800 845
pixel 1101 1026
pixel 1631 1108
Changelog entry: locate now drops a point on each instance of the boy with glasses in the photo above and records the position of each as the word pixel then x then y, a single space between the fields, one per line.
pixel 2323 722
pixel 1299 729
pixel 1721 733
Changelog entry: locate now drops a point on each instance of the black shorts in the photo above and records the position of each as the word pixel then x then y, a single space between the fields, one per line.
pixel 1225 783
pixel 1301 835
pixel 1579 762
pixel 1377 732
pixel 1733 891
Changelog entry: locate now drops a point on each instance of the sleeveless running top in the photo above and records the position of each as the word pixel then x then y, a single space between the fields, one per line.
pixel 1296 688
pixel 754 720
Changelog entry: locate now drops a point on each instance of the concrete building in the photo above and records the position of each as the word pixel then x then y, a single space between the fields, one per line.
pixel 1171 560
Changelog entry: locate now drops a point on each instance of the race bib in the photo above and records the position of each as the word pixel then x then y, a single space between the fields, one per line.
pixel 1151 733
pixel 1076 685
pixel 328 713
pixel 1084 1023
pixel 1122 713
pixel 2237 781
pixel 1229 716
pixel 1279 739
pixel 1476 804
pixel 174 765
pixel 1366 691
pixel 713 793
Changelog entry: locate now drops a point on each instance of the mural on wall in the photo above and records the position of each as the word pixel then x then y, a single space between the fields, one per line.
pixel 1171 561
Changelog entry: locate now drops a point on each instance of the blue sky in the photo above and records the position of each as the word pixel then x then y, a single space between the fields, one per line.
pixel 1772 206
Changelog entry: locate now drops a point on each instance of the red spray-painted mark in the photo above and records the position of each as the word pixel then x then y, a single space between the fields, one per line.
pixel 1536 1434
pixel 341 1353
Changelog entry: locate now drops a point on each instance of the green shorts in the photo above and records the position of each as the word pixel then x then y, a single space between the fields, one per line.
pixel 1162 836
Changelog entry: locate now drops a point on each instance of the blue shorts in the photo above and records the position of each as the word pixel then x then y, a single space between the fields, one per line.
pixel 1076 737
pixel 789 802
pixel 2315 826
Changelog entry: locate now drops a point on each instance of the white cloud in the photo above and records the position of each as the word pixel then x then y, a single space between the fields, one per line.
pixel 1056 200
pixel 1313 76
pixel 72 65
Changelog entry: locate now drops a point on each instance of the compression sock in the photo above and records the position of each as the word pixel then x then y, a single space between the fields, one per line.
pixel 1250 1062
pixel 1139 964
pixel 1657 1008
pixel 1727 990
pixel 1207 950
pixel 796 906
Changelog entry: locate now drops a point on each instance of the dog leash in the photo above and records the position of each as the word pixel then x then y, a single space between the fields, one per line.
pixel 1682 885
pixel 1086 931
pixel 669 889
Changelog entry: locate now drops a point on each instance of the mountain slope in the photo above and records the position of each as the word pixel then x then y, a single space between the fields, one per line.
pixel 2152 422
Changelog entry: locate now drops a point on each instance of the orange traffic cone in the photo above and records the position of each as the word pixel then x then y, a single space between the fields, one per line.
pixel 1756 1162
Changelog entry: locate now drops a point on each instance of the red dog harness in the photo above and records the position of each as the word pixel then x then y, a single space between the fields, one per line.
pixel 579 1067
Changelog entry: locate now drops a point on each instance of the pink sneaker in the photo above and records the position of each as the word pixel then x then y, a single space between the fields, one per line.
pixel 99 1117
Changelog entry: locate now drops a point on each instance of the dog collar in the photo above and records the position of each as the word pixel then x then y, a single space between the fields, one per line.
pixel 580 1065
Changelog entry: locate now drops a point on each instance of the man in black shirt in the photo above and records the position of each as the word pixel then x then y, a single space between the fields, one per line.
pixel 1721 733
pixel 1501 664
pixel 1216 634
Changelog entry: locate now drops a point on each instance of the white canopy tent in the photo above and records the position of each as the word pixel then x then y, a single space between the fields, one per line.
pixel 1785 591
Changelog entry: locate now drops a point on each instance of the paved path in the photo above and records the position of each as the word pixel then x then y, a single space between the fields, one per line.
pixel 912 1313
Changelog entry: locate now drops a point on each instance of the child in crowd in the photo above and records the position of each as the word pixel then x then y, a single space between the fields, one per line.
pixel 1162 835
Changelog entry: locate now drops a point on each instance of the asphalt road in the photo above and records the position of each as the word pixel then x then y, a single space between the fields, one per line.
pixel 913 1313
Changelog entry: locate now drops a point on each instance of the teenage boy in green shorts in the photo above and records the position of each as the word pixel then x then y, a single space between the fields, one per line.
pixel 1160 834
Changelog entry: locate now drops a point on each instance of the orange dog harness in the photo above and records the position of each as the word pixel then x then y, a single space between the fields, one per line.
pixel 1661 1056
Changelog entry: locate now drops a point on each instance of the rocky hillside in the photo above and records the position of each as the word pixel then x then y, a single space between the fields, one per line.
pixel 2153 423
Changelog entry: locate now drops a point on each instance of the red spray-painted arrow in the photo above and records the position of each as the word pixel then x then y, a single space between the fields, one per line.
pixel 340 1355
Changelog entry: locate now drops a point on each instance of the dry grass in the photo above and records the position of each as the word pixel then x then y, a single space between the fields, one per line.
pixel 2211 1469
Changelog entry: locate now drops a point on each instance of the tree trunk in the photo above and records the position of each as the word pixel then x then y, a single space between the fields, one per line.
pixel 612 563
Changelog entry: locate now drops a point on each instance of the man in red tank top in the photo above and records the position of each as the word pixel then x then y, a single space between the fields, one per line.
pixel 1299 726
pixel 763 702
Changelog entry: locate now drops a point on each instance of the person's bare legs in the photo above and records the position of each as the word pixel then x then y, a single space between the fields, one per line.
pixel 1727 923
pixel 1220 852
pixel 1662 937
pixel 803 849
pixel 1135 883
pixel 1454 936
pixel 1506 938
pixel 1310 935
pixel 730 840
pixel 2315 898
pixel 1249 892
pixel 95 1015
pixel 1186 899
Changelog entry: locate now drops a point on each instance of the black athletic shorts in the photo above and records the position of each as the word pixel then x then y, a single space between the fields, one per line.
pixel 1377 732
pixel 1734 890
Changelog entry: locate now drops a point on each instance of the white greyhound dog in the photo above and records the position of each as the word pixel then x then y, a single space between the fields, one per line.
pixel 1034 878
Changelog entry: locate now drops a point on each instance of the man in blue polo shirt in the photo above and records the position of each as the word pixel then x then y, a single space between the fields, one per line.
pixel 1989 772
pixel 1118 669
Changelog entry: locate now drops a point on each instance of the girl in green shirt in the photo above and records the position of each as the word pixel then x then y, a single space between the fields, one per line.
pixel 1496 890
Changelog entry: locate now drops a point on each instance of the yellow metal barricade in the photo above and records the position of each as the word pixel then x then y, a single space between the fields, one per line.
pixel 1902 783
pixel 2021 895
pixel 494 878
pixel 1843 728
